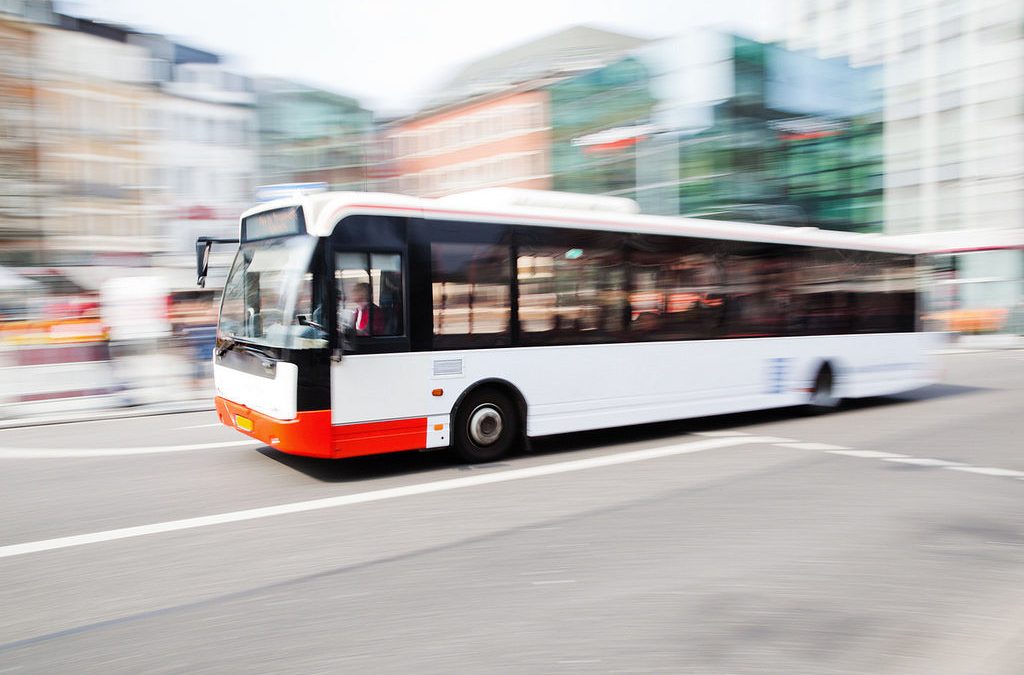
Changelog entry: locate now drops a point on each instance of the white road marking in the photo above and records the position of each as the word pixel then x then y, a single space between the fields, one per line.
pixel 71 453
pixel 988 471
pixel 927 461
pixel 379 495
pixel 554 581
pixel 534 574
pixel 202 426
pixel 812 446
pixel 720 434
pixel 868 454
pixel 922 461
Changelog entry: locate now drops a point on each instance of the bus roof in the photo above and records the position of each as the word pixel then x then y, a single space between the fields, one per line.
pixel 323 211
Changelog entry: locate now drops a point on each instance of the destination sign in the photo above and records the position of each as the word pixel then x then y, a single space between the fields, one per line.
pixel 276 223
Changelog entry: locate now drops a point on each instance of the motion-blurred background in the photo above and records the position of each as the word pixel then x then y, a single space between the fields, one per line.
pixel 119 145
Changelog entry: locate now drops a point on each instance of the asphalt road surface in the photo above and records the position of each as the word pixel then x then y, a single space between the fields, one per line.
pixel 887 537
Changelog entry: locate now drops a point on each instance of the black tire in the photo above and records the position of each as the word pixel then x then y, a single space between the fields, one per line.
pixel 823 399
pixel 486 426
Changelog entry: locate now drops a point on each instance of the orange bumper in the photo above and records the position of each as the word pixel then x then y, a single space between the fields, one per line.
pixel 312 434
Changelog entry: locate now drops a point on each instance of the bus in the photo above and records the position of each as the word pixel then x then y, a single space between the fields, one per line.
pixel 360 323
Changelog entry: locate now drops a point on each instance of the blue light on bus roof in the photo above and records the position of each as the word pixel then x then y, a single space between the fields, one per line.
pixel 268 193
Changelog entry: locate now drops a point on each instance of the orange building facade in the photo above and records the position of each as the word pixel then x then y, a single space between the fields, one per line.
pixel 501 140
pixel 19 219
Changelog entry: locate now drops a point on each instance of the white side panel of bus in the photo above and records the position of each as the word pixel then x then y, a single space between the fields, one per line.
pixel 572 388
pixel 271 396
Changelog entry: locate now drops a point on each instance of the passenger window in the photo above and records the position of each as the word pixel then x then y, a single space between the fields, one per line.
pixel 571 294
pixel 675 294
pixel 757 293
pixel 370 293
pixel 471 295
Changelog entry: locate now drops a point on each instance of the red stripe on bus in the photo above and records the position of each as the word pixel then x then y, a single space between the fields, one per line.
pixel 308 434
pixel 312 434
pixel 371 438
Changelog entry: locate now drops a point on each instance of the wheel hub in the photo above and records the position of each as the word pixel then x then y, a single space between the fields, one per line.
pixel 485 425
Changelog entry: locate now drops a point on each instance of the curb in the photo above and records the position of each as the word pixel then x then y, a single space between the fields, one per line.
pixel 98 415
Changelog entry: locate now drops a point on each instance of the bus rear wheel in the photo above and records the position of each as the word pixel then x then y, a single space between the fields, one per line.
pixel 486 426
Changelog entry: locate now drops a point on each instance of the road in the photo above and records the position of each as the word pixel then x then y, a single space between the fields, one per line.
pixel 883 538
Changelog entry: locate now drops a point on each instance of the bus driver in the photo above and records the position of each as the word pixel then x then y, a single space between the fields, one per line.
pixel 364 310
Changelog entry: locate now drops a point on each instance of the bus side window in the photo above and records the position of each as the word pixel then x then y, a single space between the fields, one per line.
pixel 471 295
pixel 386 281
pixel 369 287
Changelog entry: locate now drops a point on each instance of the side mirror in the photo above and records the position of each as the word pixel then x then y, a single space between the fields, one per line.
pixel 202 261
pixel 203 245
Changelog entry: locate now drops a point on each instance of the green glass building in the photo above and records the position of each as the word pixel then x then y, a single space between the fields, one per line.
pixel 309 135
pixel 611 100
pixel 747 131
pixel 798 143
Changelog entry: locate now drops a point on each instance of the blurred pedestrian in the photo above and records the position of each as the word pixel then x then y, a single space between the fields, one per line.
pixel 201 335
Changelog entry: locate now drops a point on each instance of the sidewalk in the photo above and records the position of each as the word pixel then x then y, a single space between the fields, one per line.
pixel 967 344
pixel 89 415
pixel 986 342
pixel 153 383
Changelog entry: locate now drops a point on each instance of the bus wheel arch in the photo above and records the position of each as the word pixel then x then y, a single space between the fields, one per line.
pixel 488 420
pixel 823 387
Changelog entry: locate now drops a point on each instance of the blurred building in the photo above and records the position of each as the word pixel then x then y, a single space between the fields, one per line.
pixel 308 135
pixel 502 119
pixel 124 144
pixel 954 85
pixel 597 119
pixel 702 123
pixel 766 134
pixel 90 98
pixel 201 162
pixel 20 222
pixel 954 125
pixel 499 139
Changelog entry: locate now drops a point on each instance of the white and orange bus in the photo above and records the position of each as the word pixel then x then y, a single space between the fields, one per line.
pixel 354 324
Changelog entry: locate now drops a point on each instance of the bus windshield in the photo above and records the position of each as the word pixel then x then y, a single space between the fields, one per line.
pixel 268 296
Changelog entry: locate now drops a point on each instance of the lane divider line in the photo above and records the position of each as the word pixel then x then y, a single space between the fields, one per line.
pixel 812 446
pixel 922 461
pixel 927 461
pixel 379 495
pixel 867 454
pixel 54 453
pixel 988 471
pixel 720 434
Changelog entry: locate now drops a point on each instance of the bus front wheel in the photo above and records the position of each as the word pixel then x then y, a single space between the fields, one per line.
pixel 486 426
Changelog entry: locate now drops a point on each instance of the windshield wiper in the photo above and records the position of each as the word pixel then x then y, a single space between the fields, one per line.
pixel 227 343
pixel 253 349
pixel 224 344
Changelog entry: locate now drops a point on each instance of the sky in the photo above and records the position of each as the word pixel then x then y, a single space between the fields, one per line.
pixel 390 54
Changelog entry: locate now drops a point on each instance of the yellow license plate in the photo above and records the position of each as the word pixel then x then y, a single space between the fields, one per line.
pixel 243 423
